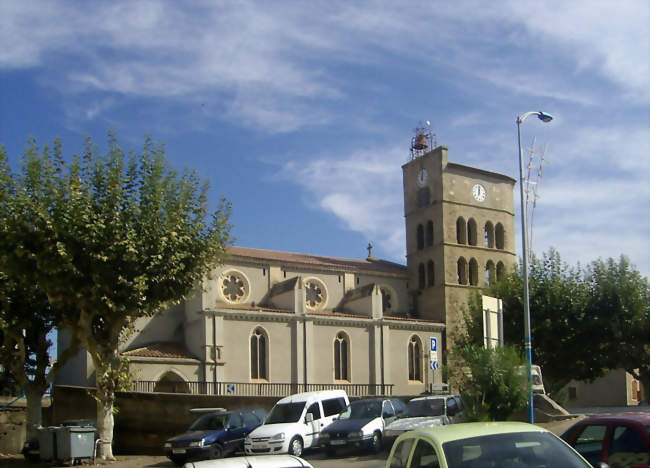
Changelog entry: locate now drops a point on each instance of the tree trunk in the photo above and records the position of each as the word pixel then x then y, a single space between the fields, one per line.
pixel 34 411
pixel 105 422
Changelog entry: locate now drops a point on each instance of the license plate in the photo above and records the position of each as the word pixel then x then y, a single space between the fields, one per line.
pixel 337 442
pixel 178 451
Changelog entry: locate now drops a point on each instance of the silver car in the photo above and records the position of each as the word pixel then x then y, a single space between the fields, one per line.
pixel 425 412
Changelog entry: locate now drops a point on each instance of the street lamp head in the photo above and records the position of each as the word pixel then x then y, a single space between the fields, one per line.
pixel 544 117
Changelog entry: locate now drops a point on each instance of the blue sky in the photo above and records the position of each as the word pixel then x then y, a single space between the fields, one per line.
pixel 301 112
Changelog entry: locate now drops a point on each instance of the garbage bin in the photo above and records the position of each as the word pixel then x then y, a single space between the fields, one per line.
pixel 47 442
pixel 74 442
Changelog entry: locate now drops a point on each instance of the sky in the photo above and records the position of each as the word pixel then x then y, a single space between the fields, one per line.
pixel 301 113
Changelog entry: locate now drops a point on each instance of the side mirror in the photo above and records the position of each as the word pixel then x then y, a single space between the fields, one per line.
pixel 309 418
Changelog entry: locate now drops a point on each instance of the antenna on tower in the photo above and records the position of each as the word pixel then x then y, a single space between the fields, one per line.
pixel 532 188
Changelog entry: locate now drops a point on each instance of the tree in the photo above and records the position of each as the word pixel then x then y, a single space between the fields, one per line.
pixel 619 305
pixel 579 318
pixel 490 381
pixel 110 239
pixel 26 319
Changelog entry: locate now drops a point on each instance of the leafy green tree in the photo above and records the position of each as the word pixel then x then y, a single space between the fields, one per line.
pixel 491 382
pixel 579 318
pixel 111 238
pixel 26 319
pixel 619 306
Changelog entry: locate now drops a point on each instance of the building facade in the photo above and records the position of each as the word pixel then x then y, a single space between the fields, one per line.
pixel 282 322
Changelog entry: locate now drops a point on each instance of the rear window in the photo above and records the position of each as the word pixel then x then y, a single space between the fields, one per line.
pixel 427 407
pixel 333 406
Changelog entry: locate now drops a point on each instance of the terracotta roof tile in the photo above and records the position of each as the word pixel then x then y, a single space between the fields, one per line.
pixel 317 261
pixel 161 350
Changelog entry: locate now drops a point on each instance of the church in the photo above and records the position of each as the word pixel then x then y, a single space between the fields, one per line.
pixel 275 323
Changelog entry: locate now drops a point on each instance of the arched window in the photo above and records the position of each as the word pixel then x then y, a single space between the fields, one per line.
pixel 420 237
pixel 499 236
pixel 473 272
pixel 341 357
pixel 489 235
pixel 429 233
pixel 500 271
pixel 171 382
pixel 421 276
pixel 461 231
pixel 430 274
pixel 489 272
pixel 462 271
pixel 414 357
pixel 259 353
pixel 471 232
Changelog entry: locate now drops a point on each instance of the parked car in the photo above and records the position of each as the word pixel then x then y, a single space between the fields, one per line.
pixel 619 440
pixel 295 422
pixel 361 425
pixel 426 411
pixel 257 461
pixel 214 435
pixel 481 445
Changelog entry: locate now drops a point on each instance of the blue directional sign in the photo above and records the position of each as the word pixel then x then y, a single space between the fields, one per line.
pixel 434 343
pixel 434 365
pixel 230 388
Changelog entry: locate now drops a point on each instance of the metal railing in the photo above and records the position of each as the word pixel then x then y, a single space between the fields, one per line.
pixel 256 389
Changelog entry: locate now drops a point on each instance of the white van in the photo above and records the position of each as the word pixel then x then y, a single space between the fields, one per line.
pixel 295 422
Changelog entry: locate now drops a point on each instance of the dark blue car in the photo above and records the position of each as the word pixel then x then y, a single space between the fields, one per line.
pixel 214 435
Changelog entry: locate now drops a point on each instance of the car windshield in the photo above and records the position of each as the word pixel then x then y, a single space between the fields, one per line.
pixel 214 422
pixel 426 407
pixel 285 413
pixel 514 450
pixel 362 410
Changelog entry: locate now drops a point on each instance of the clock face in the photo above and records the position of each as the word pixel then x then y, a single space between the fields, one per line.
pixel 422 177
pixel 479 192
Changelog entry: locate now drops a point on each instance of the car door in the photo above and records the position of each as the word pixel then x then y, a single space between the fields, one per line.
pixel 388 413
pixel 589 442
pixel 626 447
pixel 235 433
pixel 315 425
pixel 424 456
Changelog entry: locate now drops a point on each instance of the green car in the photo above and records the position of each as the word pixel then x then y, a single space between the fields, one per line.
pixel 484 445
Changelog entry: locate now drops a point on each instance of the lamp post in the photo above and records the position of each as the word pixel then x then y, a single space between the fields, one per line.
pixel 544 117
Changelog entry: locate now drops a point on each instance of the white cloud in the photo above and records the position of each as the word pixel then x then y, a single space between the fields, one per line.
pixel 242 49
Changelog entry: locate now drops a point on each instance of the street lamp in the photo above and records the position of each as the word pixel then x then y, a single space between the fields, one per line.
pixel 544 117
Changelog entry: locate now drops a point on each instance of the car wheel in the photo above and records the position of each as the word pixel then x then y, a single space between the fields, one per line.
pixel 217 451
pixel 375 444
pixel 295 446
pixel 177 460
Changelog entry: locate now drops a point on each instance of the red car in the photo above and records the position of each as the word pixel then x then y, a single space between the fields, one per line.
pixel 620 440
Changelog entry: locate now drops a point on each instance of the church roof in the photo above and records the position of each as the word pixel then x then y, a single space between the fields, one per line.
pixel 161 350
pixel 370 265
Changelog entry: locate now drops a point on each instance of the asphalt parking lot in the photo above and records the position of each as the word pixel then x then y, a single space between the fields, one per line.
pixel 317 458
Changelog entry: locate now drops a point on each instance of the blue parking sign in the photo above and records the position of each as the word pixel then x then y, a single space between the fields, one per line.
pixel 434 344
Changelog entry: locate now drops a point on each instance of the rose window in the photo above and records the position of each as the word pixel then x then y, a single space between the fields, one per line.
pixel 234 286
pixel 316 295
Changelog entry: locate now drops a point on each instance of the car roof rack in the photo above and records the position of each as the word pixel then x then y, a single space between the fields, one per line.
pixel 208 410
